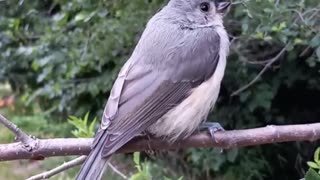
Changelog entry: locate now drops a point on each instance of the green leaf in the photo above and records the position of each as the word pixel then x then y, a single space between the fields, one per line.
pixel 139 168
pixel 146 171
pixel 86 117
pixel 312 175
pixel 282 25
pixel 82 127
pixel 313 165
pixel 137 176
pixel 298 41
pixel 81 16
pixel 92 125
pixel 136 158
pixel 316 156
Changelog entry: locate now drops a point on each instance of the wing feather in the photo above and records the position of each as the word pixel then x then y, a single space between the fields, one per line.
pixel 148 113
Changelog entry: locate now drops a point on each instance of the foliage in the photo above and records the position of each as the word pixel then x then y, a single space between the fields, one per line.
pixel 143 168
pixel 312 174
pixel 67 51
pixel 34 122
pixel 30 119
pixel 64 55
pixel 82 129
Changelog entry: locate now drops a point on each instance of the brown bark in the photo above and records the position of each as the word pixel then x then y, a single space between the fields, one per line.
pixel 225 140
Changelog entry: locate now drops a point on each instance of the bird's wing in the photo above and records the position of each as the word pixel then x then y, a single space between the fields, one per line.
pixel 142 93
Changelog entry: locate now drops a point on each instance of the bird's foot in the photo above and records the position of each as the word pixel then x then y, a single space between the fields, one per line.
pixel 147 135
pixel 213 127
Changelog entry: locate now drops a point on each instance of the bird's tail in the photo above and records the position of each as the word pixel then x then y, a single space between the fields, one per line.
pixel 94 166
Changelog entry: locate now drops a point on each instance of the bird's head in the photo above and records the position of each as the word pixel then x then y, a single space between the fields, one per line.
pixel 200 12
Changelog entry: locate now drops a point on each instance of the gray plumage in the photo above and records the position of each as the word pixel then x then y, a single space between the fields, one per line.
pixel 168 85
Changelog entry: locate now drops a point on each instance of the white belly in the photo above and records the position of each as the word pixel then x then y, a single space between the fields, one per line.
pixel 183 120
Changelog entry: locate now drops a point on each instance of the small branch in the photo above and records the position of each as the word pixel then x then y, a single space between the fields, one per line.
pixel 28 142
pixel 117 171
pixel 59 169
pixel 271 61
pixel 68 165
pixel 224 139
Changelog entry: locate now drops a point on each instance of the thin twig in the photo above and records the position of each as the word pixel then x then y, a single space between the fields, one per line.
pixel 300 15
pixel 28 142
pixel 117 171
pixel 271 61
pixel 244 3
pixel 68 165
pixel 59 169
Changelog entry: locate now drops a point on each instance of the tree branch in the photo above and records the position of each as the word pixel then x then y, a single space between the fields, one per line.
pixel 223 139
pixel 28 142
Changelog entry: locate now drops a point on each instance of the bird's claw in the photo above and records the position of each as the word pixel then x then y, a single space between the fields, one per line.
pixel 213 127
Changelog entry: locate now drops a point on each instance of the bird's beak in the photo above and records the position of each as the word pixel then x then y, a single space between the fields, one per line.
pixel 223 7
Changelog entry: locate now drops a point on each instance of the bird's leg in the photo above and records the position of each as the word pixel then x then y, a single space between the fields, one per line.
pixel 213 127
pixel 146 134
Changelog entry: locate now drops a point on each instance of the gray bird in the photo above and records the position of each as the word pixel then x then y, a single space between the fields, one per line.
pixel 170 82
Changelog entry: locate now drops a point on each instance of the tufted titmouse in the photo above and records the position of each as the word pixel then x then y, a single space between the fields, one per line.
pixel 170 82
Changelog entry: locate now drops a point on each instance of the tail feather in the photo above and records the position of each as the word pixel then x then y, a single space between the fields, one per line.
pixel 94 166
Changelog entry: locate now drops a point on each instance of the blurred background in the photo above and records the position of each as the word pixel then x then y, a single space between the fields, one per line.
pixel 60 58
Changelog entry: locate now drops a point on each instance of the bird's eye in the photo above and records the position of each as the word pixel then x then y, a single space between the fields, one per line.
pixel 205 7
